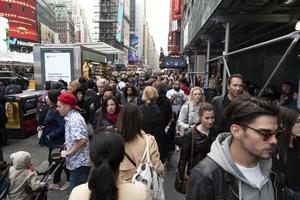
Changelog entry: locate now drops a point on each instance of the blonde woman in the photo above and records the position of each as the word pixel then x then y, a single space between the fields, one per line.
pixel 188 115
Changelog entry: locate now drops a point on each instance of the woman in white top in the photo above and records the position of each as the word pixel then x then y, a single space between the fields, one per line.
pixel 106 153
pixel 188 115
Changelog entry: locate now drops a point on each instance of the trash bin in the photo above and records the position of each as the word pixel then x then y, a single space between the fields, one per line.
pixel 20 110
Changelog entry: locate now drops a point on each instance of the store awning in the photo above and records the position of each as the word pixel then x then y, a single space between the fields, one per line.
pixel 102 47
pixel 16 57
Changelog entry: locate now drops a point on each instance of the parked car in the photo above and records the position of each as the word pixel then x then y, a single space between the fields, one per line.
pixel 7 76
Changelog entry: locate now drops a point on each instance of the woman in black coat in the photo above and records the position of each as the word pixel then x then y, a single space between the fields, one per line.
pixel 288 150
pixel 53 133
pixel 153 122
pixel 196 142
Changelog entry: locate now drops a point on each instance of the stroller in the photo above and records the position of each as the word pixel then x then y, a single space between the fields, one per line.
pixel 4 182
pixel 40 194
pixel 56 163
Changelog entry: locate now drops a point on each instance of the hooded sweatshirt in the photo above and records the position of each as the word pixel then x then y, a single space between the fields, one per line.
pixel 20 176
pixel 220 153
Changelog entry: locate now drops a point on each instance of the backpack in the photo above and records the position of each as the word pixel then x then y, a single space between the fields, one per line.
pixel 146 175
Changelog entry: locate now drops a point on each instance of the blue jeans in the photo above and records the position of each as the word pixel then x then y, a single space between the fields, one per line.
pixel 79 176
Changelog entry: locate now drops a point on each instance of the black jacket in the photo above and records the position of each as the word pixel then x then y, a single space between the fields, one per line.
pixel 209 181
pixel 220 103
pixel 201 147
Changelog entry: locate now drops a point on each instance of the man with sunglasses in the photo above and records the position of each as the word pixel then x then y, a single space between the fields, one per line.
pixel 239 164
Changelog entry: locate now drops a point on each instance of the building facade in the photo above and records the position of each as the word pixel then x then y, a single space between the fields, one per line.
pixel 64 24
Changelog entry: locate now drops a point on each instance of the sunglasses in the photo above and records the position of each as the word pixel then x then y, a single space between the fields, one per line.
pixel 264 132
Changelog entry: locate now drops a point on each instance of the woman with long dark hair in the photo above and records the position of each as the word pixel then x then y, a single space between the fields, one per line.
pixel 196 142
pixel 54 136
pixel 289 148
pixel 107 115
pixel 130 94
pixel 104 183
pixel 129 125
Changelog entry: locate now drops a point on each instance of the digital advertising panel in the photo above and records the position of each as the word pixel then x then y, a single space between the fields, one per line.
pixel 120 21
pixel 57 66
pixel 134 40
pixel 4 34
pixel 22 17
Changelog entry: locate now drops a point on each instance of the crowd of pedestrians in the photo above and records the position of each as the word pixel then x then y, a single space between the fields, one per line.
pixel 232 146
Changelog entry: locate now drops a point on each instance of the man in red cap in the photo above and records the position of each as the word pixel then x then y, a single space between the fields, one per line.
pixel 76 140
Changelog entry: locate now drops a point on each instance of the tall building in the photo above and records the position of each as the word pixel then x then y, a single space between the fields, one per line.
pixel 46 23
pixel 175 27
pixel 111 26
pixel 78 17
pixel 137 22
pixel 153 54
pixel 64 24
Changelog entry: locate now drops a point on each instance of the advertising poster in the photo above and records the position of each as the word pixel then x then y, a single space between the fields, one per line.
pixel 12 114
pixel 120 20
pixel 47 35
pixel 22 19
pixel 57 66
pixel 4 31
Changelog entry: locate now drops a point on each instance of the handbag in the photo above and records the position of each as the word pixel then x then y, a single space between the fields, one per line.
pixel 179 138
pixel 181 186
pixel 146 175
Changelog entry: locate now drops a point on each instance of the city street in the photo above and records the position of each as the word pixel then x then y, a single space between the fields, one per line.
pixel 39 159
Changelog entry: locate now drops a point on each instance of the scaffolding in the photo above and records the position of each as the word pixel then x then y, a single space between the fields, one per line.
pixel 294 36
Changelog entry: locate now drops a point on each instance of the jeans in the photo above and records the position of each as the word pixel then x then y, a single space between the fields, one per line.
pixel 79 176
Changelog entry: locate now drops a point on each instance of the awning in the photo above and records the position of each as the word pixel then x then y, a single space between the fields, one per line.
pixel 16 57
pixel 102 47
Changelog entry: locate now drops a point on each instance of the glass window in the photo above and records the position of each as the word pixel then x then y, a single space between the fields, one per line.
pixel 10 6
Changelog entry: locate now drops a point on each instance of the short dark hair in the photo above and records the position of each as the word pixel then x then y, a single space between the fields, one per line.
pixel 130 121
pixel 239 76
pixel 245 110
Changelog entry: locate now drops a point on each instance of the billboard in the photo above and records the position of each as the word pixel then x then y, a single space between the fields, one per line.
pixel 22 17
pixel 176 12
pixel 134 40
pixel 4 34
pixel 47 35
pixel 132 57
pixel 120 21
pixel 174 62
pixel 57 66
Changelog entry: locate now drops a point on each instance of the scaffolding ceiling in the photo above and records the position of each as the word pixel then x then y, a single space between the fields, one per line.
pixel 102 47
pixel 251 22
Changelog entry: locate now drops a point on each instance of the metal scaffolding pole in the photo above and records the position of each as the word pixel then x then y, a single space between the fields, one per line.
pixel 227 40
pixel 288 36
pixel 225 65
pixel 280 63
pixel 207 64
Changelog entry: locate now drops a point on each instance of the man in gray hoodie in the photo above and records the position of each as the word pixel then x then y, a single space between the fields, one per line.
pixel 239 164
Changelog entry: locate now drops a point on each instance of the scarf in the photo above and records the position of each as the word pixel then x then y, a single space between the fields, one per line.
pixel 112 118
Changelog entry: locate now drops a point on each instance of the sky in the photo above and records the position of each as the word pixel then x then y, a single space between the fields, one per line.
pixel 158 19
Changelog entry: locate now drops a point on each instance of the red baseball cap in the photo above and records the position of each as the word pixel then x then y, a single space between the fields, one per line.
pixel 69 99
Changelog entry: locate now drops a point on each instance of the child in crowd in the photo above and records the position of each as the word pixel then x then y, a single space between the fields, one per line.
pixel 22 175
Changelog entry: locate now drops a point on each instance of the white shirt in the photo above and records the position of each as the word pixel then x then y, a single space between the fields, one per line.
pixel 253 175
